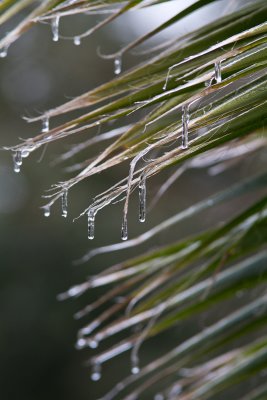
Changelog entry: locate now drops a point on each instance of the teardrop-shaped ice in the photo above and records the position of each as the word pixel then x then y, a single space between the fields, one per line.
pixel 142 199
pixel 218 71
pixel 64 203
pixel 55 28
pixel 91 223
pixel 47 211
pixel 3 52
pixel 96 372
pixel 77 40
pixel 185 121
pixel 124 229
pixel 45 124
pixel 117 65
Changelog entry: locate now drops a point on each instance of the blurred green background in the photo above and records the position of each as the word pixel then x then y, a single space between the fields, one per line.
pixel 37 335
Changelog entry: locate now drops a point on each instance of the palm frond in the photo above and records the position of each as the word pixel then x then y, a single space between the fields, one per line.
pixel 198 101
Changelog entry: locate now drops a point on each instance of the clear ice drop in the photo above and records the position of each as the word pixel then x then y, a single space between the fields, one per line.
pixel 45 126
pixel 124 229
pixel 55 29
pixel 117 65
pixel 47 211
pixel 77 40
pixel 218 71
pixel 64 203
pixel 91 224
pixel 96 372
pixel 17 158
pixel 3 52
pixel 185 121
pixel 142 199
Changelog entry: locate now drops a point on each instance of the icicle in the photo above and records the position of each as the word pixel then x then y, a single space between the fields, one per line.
pixel 185 121
pixel 81 343
pixel 91 223
pixel 93 344
pixel 96 372
pixel 64 203
pixel 218 72
pixel 135 367
pixel 3 52
pixel 74 291
pixel 208 83
pixel 175 391
pixel 158 396
pixel 77 40
pixel 167 79
pixel 124 229
pixel 47 211
pixel 55 28
pixel 45 124
pixel 25 152
pixel 117 65
pixel 18 157
pixel 142 199
pixel 17 161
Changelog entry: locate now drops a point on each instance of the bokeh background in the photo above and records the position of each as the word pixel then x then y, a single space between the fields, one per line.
pixel 38 359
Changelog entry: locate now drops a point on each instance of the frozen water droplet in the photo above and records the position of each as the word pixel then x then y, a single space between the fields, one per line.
pixel 81 343
pixel 142 199
pixel 47 211
pixel 3 52
pixel 45 125
pixel 93 344
pixel 16 168
pixel 208 83
pixel 25 152
pixel 218 71
pixel 64 203
pixel 91 224
pixel 167 79
pixel 185 121
pixel 135 370
pixel 117 65
pixel 55 28
pixel 175 391
pixel 124 229
pixel 17 158
pixel 96 372
pixel 158 396
pixel 77 40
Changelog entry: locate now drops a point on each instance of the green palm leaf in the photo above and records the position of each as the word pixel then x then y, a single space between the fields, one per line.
pixel 197 101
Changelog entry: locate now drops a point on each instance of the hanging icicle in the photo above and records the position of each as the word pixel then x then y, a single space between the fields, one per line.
pixel 91 223
pixel 117 65
pixel 185 121
pixel 142 198
pixel 64 203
